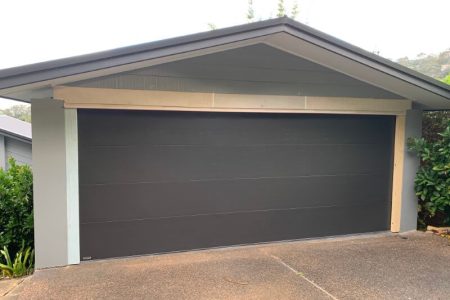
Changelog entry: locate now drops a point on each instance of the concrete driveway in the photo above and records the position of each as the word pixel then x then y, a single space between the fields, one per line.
pixel 380 266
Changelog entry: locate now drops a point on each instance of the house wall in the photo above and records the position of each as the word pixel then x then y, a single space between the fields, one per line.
pixel 18 149
pixel 413 129
pixel 55 184
pixel 2 152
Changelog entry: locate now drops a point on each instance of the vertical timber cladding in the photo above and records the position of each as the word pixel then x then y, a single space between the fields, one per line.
pixel 165 181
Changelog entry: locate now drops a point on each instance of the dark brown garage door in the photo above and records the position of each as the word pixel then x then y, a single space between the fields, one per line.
pixel 167 181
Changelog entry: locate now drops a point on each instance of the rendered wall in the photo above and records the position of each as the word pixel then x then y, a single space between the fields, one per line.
pixel 55 200
pixel 413 128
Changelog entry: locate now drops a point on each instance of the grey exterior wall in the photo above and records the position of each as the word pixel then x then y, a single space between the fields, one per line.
pixel 2 152
pixel 413 128
pixel 257 69
pixel 18 149
pixel 55 230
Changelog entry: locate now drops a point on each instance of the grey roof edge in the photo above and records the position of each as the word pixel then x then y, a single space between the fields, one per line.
pixel 15 128
pixel 34 70
pixel 16 136
pixel 14 99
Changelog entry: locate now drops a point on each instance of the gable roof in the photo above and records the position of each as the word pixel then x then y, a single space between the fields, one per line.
pixel 15 127
pixel 426 91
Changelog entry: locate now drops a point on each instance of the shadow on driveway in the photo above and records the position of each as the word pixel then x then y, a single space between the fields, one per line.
pixel 379 266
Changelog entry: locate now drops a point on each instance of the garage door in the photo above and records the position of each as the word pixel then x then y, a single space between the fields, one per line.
pixel 155 182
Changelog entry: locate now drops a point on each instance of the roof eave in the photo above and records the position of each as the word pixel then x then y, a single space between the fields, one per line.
pixel 16 136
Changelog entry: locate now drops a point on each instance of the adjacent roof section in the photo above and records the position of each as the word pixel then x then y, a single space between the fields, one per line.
pixel 279 32
pixel 15 127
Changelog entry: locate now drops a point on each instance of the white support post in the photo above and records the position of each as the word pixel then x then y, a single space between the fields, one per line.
pixel 73 220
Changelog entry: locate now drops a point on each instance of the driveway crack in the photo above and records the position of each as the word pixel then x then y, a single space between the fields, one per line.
pixel 18 282
pixel 296 272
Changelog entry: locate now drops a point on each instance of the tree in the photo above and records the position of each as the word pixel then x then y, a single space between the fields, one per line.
pixel 250 11
pixel 20 111
pixel 446 79
pixel 281 12
pixel 281 9
pixel 433 65
pixel 294 11
pixel 438 67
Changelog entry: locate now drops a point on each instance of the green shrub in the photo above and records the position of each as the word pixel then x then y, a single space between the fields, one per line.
pixel 22 264
pixel 432 183
pixel 16 208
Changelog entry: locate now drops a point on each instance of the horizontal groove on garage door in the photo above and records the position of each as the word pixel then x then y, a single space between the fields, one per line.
pixel 234 196
pixel 191 233
pixel 365 203
pixel 154 182
pixel 227 179
pixel 228 162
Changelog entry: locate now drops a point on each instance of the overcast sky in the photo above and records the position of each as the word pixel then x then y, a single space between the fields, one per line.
pixel 34 31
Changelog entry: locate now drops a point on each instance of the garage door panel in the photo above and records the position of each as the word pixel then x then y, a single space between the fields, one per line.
pixel 153 164
pixel 167 128
pixel 175 234
pixel 168 181
pixel 212 197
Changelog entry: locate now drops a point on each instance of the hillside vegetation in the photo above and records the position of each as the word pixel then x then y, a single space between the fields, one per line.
pixel 433 65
